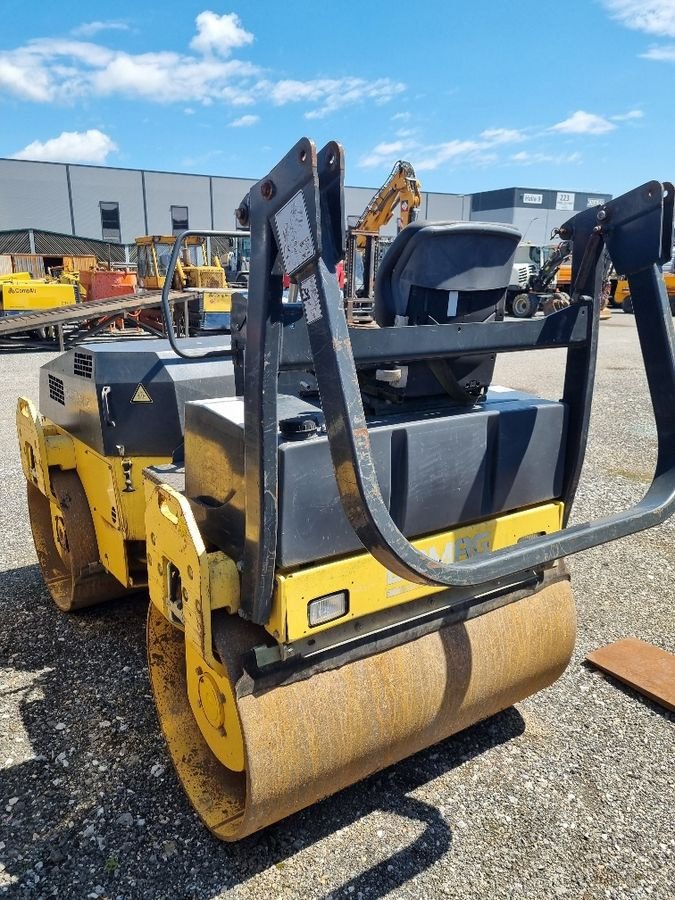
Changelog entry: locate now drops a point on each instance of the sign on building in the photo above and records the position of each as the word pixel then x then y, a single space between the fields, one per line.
pixel 564 200
pixel 533 198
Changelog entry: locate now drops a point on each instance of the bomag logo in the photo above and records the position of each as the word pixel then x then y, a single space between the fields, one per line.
pixel 23 290
pixel 455 550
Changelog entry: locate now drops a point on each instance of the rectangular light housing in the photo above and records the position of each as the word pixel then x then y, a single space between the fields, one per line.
pixel 325 609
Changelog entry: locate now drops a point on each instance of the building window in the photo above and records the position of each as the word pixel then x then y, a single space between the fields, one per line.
pixel 179 219
pixel 110 221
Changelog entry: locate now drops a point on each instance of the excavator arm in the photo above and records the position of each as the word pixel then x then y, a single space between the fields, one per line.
pixel 541 280
pixel 401 188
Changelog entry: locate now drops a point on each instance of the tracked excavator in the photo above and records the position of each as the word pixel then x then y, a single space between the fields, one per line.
pixel 342 576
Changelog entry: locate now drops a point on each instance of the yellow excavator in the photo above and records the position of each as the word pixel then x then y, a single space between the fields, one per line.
pixel 365 246
pixel 340 576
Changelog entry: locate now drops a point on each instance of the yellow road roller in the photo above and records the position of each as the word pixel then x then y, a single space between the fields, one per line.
pixel 344 574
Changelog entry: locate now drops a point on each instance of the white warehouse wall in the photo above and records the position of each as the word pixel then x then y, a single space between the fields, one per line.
pixel 34 195
pixel 227 195
pixel 91 185
pixel 65 198
pixel 445 207
pixel 164 190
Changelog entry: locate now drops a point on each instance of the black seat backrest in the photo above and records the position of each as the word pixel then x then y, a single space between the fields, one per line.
pixel 446 272
pixel 465 257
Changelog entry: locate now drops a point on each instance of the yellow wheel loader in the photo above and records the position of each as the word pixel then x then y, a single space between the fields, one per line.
pixel 341 577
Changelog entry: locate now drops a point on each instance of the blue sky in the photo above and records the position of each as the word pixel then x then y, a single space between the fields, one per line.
pixel 476 95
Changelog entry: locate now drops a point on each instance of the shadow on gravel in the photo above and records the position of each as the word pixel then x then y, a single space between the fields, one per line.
pixel 89 805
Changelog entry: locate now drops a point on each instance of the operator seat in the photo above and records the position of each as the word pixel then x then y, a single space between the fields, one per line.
pixel 440 273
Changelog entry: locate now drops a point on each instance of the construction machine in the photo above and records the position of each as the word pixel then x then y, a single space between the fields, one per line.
pixel 366 246
pixel 341 577
pixel 194 272
pixel 20 294
pixel 621 294
pixel 538 290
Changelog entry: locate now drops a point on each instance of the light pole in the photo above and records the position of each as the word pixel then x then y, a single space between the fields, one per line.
pixel 531 222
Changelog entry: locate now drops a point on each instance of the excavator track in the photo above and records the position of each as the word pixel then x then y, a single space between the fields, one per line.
pixel 308 739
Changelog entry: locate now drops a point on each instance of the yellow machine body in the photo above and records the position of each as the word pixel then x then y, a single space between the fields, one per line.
pixel 215 300
pixel 18 295
pixel 623 290
pixel 112 486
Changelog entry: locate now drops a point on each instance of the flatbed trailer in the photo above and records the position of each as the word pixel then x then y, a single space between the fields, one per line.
pixel 92 317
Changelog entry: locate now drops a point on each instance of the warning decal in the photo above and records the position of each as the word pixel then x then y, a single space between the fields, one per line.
pixel 141 395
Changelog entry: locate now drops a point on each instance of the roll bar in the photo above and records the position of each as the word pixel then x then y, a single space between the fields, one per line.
pixel 297 212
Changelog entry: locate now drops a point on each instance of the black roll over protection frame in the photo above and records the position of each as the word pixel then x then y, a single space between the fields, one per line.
pixel 297 213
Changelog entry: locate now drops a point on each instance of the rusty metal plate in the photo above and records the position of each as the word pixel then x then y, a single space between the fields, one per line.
pixel 647 669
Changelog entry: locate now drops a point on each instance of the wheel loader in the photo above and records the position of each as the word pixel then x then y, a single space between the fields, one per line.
pixel 340 577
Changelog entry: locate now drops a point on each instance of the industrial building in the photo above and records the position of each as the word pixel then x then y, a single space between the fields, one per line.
pixel 116 205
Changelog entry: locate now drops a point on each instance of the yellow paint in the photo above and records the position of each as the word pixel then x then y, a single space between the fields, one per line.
pixel 214 706
pixel 117 513
pixel 372 588
pixel 212 580
pixel 208 581
pixel 187 583
pixel 217 301
pixel 623 290
pixel 15 276
pixel 30 295
pixel 202 582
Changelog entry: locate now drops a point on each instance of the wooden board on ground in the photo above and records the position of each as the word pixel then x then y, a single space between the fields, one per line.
pixel 646 668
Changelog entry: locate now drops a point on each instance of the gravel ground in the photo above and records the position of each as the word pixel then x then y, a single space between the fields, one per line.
pixel 569 795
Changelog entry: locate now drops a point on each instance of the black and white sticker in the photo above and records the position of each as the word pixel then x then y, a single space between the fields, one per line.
pixel 294 233
pixel 309 294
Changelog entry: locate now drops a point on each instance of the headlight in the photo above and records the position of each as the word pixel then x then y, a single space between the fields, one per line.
pixel 325 609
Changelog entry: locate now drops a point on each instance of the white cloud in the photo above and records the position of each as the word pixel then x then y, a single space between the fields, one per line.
pixel 19 80
pixel 401 117
pixel 430 156
pixel 651 16
pixel 245 121
pixel 219 34
pixel 89 29
pixel 582 122
pixel 556 159
pixel 91 146
pixel 655 17
pixel 450 151
pixel 384 154
pixel 332 94
pixel 503 135
pixel 664 53
pixel 67 70
pixel 629 116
